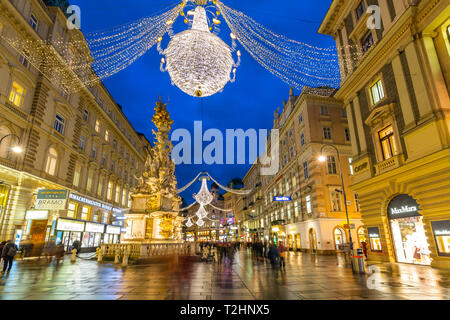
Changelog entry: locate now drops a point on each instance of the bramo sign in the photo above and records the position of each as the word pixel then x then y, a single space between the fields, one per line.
pixel 51 200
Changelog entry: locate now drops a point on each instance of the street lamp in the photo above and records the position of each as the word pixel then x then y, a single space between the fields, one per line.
pixel 17 148
pixel 322 158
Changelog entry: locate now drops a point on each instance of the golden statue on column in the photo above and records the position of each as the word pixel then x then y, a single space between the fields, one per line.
pixel 154 215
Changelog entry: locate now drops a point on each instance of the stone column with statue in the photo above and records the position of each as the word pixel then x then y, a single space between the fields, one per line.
pixel 154 214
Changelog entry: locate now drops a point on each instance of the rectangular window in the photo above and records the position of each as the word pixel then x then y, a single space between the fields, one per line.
pixel 292 152
pixel 110 190
pixel 82 142
pixel 300 118
pixel 76 175
pixel 331 165
pixel 85 213
pixel 327 133
pixel 441 231
pixel 367 41
pixel 24 61
pixel 106 135
pixel 100 186
pixel 117 198
pixel 347 134
pixel 72 210
pixel 387 142
pixel 94 152
pixel 360 10
pixel 17 94
pixel 357 202
pixel 374 239
pixel 302 139
pixel 97 125
pixel 377 92
pixel 85 115
pixel 336 205
pixel 305 170
pixel 343 113
pixel 59 124
pixel 308 204
pixel 324 111
pixel 90 181
pixel 33 22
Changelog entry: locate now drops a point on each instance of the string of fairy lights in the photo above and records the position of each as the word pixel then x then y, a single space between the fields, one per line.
pixel 199 62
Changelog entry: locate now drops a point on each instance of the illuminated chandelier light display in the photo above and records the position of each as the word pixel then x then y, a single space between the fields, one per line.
pixel 198 61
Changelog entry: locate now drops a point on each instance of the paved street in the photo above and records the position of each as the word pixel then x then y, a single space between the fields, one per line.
pixel 306 277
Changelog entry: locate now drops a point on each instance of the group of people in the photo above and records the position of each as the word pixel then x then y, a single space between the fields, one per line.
pixel 275 253
pixel 219 252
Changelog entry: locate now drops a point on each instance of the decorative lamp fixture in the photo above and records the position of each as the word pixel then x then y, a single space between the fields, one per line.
pixel 198 61
pixel 189 223
pixel 200 222
pixel 204 197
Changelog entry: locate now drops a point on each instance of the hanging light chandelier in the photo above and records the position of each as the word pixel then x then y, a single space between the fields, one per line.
pixel 198 61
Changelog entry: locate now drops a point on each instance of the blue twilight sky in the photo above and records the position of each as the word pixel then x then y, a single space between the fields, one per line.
pixel 247 103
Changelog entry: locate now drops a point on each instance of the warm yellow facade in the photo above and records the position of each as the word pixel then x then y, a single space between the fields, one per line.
pixel 396 93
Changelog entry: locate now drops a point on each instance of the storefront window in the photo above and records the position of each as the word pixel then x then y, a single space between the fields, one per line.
pixel 441 231
pixel 338 237
pixel 105 217
pixel 361 235
pixel 374 239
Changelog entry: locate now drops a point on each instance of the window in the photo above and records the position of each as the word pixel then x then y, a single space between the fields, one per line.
pixel 97 125
pixel 302 139
pixel 290 133
pixel 343 113
pixel 124 197
pixel 110 190
pixel 305 170
pixel 76 175
pixel 300 118
pixel 90 181
pixel 104 160
pixel 24 61
pixel 367 41
pixel 17 94
pixel 331 165
pixel 85 213
pixel 377 92
pixel 85 115
pixel 287 185
pixel 324 111
pixel 350 164
pixel 72 210
pixel 360 10
pixel 338 237
pixel 441 231
pixel 106 135
pixel 115 144
pixel 347 134
pixel 100 186
pixel 94 152
pixel 117 198
pixel 82 142
pixel 52 160
pixel 336 201
pixel 308 204
pixel 59 124
pixel 284 159
pixel 33 22
pixel 327 133
pixel 292 151
pixel 105 217
pixel 387 142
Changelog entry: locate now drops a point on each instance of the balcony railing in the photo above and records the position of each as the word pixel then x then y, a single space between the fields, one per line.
pixel 389 164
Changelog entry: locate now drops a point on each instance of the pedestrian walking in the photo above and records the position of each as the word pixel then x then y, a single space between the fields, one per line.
pixel 76 245
pixel 274 254
pixel 283 253
pixel 59 253
pixel 2 245
pixel 8 253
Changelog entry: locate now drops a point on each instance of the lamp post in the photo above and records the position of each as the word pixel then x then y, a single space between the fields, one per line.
pixel 16 148
pixel 322 158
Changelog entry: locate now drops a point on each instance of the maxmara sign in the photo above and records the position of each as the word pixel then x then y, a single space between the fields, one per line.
pixel 403 206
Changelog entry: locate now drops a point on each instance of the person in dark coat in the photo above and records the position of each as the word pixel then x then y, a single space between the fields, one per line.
pixel 2 245
pixel 76 245
pixel 274 254
pixel 8 253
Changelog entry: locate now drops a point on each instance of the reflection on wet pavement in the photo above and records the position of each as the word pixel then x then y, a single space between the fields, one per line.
pixel 306 276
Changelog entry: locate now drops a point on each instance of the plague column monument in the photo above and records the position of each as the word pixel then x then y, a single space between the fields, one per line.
pixel 153 217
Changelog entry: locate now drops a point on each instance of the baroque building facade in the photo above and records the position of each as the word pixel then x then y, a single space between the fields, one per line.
pixel 74 140
pixel 395 89
pixel 302 204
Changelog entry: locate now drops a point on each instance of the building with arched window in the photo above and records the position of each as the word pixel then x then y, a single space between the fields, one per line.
pixel 64 132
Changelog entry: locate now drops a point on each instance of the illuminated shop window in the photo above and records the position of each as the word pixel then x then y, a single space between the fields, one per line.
pixel 17 94
pixel 374 239
pixel 72 210
pixel 338 237
pixel 308 204
pixel 85 213
pixel 441 231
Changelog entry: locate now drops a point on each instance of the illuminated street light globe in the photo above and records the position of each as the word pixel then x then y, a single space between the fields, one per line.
pixel 199 62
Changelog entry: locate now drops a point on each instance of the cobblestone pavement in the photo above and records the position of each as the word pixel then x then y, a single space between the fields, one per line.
pixel 306 276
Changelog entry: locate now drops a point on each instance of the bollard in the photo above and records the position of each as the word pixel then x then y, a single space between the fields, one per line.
pixel 117 257
pixel 125 257
pixel 73 258
pixel 99 255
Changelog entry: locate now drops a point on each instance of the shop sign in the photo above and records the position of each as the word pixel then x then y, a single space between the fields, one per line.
pixel 94 227
pixel 51 200
pixel 36 215
pixel 441 228
pixel 282 198
pixel 374 232
pixel 70 225
pixel 112 230
pixel 91 202
pixel 403 206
